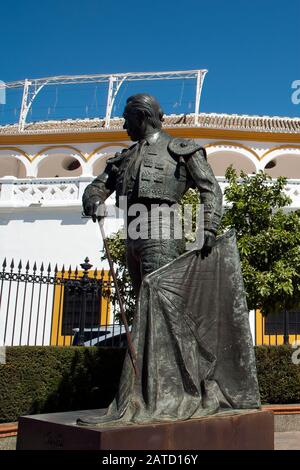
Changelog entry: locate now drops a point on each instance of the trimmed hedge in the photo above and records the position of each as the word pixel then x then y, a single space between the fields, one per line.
pixel 278 376
pixel 49 379
pixel 52 379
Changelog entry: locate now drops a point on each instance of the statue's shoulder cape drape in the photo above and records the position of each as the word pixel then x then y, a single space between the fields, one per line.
pixel 193 341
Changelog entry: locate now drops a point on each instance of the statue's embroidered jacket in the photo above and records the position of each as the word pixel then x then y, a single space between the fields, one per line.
pixel 160 172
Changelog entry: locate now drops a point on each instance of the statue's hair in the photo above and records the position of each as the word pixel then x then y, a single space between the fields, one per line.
pixel 149 106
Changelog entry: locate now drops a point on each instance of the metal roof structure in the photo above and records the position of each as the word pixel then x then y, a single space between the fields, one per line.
pixel 32 87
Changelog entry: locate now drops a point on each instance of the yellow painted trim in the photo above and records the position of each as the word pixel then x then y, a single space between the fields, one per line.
pixel 51 147
pixel 17 150
pixel 233 144
pixel 121 135
pixel 61 138
pixel 229 134
pixel 57 339
pixel 269 340
pixel 118 144
pixel 279 148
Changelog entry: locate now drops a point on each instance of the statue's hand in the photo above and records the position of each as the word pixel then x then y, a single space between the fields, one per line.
pixel 94 208
pixel 209 242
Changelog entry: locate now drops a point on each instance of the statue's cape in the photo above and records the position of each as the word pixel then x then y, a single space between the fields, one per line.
pixel 193 341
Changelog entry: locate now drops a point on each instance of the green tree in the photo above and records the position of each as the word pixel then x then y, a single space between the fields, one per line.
pixel 268 237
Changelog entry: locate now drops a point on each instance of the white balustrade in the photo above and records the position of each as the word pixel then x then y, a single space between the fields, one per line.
pixel 45 192
pixel 292 189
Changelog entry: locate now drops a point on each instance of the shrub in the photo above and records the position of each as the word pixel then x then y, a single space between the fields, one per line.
pixel 53 379
pixel 278 377
pixel 49 379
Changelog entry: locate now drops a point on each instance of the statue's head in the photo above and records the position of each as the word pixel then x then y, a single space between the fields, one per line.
pixel 142 115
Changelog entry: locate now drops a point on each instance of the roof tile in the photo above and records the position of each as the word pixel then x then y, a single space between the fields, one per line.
pixel 206 120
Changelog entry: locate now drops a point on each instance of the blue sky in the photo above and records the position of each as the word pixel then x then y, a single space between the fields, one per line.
pixel 251 49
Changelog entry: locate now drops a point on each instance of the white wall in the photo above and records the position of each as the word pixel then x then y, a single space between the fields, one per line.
pixel 252 324
pixel 25 313
pixel 51 235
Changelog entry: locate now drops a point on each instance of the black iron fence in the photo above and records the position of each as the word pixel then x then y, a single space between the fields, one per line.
pixel 58 307
pixel 45 306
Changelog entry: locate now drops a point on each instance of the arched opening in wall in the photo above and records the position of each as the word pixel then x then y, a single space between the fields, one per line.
pixel 101 154
pixel 220 161
pixel 11 166
pixel 100 164
pixel 285 165
pixel 57 165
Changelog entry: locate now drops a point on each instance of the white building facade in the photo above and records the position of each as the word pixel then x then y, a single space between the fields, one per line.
pixel 45 168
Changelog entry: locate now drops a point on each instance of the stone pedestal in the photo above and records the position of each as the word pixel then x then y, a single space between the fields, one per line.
pixel 244 430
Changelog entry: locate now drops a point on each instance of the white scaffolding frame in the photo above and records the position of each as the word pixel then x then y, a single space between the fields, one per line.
pixel 31 87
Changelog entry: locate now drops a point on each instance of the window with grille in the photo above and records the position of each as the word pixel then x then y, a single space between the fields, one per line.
pixel 274 324
pixel 73 306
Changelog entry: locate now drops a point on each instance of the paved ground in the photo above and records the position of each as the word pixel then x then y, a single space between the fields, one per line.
pixel 8 443
pixel 287 440
pixel 283 441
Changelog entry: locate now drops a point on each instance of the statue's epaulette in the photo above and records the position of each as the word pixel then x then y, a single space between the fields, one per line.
pixel 183 147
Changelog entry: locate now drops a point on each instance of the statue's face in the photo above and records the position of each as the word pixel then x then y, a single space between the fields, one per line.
pixel 134 124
